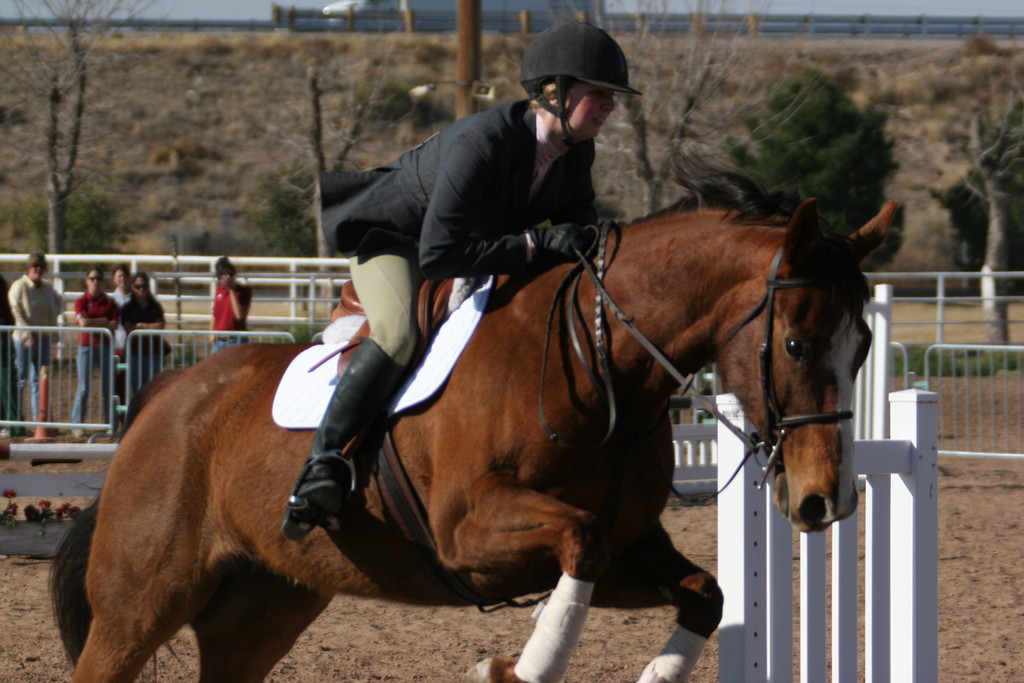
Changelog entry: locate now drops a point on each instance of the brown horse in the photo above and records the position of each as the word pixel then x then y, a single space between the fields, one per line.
pixel 186 530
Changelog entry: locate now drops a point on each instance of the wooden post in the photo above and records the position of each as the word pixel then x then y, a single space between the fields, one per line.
pixel 467 66
pixel 697 24
pixel 410 21
pixel 753 24
pixel 350 18
pixel 291 18
pixel 524 21
pixel 275 15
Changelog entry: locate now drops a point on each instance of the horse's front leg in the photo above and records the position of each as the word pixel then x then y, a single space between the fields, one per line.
pixel 650 572
pixel 511 538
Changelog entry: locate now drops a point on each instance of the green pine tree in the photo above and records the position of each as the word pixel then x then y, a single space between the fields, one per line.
pixel 283 216
pixel 813 138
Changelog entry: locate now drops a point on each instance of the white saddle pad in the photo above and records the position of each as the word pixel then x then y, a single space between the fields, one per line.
pixel 305 390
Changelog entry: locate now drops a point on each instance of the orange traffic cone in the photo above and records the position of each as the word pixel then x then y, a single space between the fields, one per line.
pixel 42 433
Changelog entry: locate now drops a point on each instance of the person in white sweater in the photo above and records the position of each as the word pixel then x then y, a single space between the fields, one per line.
pixel 34 303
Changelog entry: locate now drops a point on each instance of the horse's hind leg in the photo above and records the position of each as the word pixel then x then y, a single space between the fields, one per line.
pixel 125 632
pixel 250 623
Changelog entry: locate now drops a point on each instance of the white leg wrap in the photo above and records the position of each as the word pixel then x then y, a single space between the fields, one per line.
pixel 545 658
pixel 676 661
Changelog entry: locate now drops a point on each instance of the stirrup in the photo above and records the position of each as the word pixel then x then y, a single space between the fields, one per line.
pixel 337 455
pixel 300 516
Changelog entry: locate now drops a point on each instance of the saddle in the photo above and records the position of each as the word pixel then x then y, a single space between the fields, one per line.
pixel 395 485
pixel 431 312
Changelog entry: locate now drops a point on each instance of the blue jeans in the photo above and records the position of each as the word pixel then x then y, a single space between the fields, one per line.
pixel 90 358
pixel 224 341
pixel 28 360
pixel 143 368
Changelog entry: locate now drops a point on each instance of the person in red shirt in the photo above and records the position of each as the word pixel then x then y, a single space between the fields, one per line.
pixel 94 309
pixel 230 305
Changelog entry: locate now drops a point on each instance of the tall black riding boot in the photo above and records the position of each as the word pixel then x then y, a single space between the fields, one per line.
pixel 328 477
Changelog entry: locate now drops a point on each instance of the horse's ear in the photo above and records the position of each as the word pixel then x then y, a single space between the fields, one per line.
pixel 803 233
pixel 874 232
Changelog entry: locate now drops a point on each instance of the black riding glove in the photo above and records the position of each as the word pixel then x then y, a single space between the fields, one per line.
pixel 559 241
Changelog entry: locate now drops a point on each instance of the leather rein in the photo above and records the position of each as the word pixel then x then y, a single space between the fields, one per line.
pixel 776 423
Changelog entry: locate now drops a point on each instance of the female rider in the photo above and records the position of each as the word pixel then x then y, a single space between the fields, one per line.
pixel 491 194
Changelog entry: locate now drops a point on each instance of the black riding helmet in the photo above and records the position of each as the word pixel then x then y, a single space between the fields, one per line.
pixel 577 51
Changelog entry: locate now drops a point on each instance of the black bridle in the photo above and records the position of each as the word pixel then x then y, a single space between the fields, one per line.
pixel 774 428
pixel 776 423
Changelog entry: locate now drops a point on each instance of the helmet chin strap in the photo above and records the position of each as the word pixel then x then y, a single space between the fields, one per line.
pixel 559 111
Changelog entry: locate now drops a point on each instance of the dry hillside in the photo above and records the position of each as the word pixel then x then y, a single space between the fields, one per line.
pixel 182 128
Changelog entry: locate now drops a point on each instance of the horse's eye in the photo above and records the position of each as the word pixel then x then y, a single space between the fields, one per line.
pixel 795 348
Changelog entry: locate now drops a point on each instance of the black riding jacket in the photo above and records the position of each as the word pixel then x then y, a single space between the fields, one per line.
pixel 461 196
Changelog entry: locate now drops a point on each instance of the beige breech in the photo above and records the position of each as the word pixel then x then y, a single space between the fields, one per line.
pixel 388 284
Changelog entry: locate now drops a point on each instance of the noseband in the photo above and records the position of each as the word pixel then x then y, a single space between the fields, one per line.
pixel 776 423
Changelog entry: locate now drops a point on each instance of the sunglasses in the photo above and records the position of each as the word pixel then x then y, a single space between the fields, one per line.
pixel 94 279
pixel 140 287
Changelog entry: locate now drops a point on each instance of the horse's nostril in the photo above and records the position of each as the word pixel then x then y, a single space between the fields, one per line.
pixel 813 509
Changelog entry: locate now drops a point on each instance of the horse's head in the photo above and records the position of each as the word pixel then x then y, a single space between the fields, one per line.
pixel 793 362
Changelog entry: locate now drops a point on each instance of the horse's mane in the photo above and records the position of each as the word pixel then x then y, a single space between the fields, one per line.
pixel 711 184
pixel 708 184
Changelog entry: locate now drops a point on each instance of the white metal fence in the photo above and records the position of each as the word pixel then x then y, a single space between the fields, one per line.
pixel 300 291
pixel 286 291
pixel 950 295
pixel 56 383
pixel 982 389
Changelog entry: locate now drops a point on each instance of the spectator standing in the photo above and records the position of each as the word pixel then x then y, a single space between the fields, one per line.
pixel 121 294
pixel 34 303
pixel 97 310
pixel 231 302
pixel 121 276
pixel 9 409
pixel 143 312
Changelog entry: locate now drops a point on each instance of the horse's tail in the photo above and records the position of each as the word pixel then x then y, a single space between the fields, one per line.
pixel 67 575
pixel 67 583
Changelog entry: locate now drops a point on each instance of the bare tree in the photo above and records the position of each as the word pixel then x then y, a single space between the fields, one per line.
pixel 327 121
pixel 695 88
pixel 995 148
pixel 54 65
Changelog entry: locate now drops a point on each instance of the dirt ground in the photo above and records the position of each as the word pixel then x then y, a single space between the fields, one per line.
pixel 981 609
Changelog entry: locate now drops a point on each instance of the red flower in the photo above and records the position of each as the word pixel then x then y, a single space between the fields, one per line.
pixel 73 511
pixel 45 504
pixel 12 508
pixel 10 493
pixel 32 513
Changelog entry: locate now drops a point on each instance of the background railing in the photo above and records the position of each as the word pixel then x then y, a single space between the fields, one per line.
pixel 929 307
pixel 947 306
pixel 768 25
pixel 41 397
pixel 294 297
